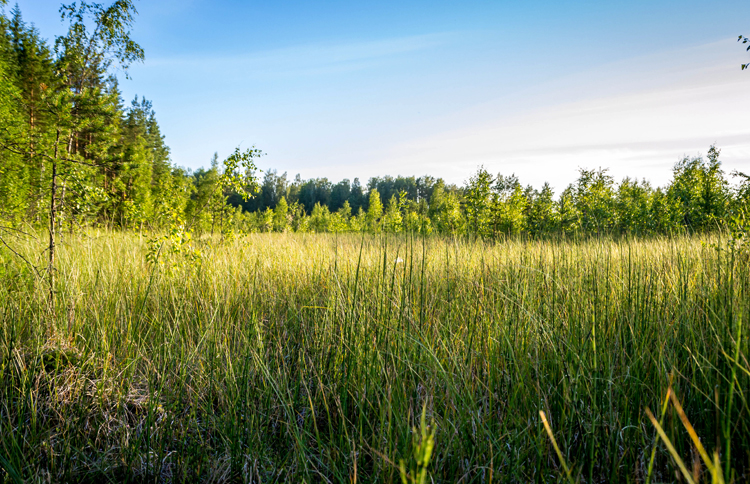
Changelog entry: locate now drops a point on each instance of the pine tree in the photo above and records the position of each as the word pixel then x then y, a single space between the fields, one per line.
pixel 33 72
pixel 13 170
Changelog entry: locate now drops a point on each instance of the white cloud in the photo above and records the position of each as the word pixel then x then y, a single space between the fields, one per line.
pixel 636 117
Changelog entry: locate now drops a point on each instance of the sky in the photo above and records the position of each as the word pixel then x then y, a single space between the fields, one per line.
pixel 540 89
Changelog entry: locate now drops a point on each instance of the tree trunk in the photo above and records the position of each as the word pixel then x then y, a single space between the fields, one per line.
pixel 61 212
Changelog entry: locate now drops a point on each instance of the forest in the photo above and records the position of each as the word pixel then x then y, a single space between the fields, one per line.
pixel 230 324
pixel 67 130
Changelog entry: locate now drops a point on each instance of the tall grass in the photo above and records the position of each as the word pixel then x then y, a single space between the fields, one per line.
pixel 288 357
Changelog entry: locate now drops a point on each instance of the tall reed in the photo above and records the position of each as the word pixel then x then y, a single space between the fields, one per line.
pixel 291 357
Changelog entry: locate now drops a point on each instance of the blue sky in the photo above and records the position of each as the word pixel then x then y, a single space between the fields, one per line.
pixel 360 89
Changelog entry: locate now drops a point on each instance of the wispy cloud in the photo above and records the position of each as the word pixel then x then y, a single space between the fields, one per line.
pixel 308 59
pixel 638 118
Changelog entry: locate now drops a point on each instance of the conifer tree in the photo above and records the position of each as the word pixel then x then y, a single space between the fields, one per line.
pixel 34 71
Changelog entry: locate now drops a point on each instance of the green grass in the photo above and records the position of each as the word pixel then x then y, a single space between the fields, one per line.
pixel 288 357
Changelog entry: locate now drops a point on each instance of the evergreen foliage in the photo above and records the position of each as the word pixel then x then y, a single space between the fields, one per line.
pixel 70 150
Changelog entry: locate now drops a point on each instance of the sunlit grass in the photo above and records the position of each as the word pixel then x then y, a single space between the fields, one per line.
pixel 311 357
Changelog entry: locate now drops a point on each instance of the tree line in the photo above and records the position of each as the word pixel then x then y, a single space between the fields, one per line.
pixel 73 154
pixel 699 197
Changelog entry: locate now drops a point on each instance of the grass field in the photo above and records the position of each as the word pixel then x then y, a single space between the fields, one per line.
pixel 285 357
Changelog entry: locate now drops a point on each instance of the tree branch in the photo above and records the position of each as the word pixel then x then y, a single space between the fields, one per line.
pixel 21 257
pixel 8 229
pixel 19 152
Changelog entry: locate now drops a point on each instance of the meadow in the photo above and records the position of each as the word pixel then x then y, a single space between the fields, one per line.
pixel 373 358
